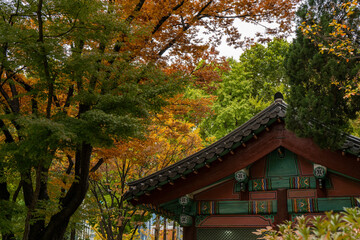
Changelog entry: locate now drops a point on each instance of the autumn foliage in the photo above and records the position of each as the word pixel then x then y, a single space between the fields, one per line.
pixel 88 86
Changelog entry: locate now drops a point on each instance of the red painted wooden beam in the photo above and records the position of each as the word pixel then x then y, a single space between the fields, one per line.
pixel 256 149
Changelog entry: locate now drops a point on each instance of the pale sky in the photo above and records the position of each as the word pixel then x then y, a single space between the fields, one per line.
pixel 248 30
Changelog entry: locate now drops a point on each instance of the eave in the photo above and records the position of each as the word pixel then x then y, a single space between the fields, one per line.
pixel 214 153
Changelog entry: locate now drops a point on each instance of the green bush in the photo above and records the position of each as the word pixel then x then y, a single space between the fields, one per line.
pixel 334 226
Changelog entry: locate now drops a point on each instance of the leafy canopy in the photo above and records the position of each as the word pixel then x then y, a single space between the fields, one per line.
pixel 247 88
pixel 318 106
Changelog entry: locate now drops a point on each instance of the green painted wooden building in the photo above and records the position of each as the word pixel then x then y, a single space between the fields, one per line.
pixel 258 175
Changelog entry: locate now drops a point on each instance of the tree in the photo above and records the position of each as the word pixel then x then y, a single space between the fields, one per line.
pixel 247 88
pixel 318 107
pixel 174 27
pixel 77 76
pixel 65 92
pixel 337 34
pixel 265 66
pixel 170 138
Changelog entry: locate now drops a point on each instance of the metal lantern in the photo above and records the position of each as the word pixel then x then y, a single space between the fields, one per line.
pixel 242 175
pixel 320 173
pixel 185 220
pixel 184 200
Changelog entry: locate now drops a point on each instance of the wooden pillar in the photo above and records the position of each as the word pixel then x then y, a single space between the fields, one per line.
pixel 282 207
pixel 189 233
pixel 244 195
pixel 321 192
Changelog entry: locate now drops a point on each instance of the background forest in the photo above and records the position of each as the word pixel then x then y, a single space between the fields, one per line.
pixel 95 94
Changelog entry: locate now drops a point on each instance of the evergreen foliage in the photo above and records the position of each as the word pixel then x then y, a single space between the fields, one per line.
pixel 318 107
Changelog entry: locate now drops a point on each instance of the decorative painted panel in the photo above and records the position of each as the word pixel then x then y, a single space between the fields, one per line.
pixel 233 207
pixel 206 207
pixel 266 184
pixel 299 182
pixel 247 207
pixel 303 205
pixel 301 193
pixel 262 207
pixel 311 205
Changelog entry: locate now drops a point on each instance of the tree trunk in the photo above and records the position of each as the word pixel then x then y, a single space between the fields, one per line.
pixel 157 227
pixel 5 197
pixel 73 234
pixel 56 228
pixel 164 238
pixel 173 231
pixel 39 225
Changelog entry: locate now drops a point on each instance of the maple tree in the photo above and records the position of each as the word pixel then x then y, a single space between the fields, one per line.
pixel 78 76
pixel 177 28
pixel 170 138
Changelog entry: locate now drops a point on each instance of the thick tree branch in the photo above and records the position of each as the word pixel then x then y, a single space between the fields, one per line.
pixel 28 88
pixel 13 106
pixel 68 97
pixel 164 18
pixel 71 164
pixel 137 9
pixel 8 137
pixel 97 165
pixel 46 69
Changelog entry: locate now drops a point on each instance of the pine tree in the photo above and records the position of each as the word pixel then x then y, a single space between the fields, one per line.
pixel 317 105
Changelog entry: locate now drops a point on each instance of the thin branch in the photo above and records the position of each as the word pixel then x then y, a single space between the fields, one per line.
pixel 184 29
pixel 17 191
pixel 64 33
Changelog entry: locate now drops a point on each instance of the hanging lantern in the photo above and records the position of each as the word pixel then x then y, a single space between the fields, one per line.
pixel 320 173
pixel 242 176
pixel 185 220
pixel 184 200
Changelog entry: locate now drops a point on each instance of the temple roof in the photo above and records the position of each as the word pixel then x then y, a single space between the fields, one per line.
pixel 275 112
